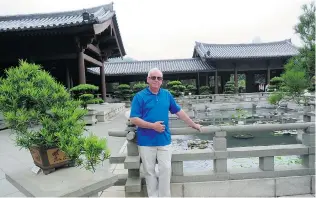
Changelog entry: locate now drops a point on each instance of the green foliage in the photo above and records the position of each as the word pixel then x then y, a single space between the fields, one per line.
pixel 311 88
pixel 175 88
pixel 275 84
pixel 276 98
pixel 139 86
pixel 305 61
pixel 242 83
pixel 241 114
pixel 205 90
pixel 295 83
pixel 229 87
pixel 190 89
pixel 86 94
pixel 42 113
pixel 124 92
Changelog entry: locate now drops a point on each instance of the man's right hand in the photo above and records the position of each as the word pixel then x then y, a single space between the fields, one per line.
pixel 158 126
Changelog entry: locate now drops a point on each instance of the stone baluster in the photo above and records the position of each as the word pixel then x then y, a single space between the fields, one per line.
pixel 307 117
pixel 308 139
pixel 220 148
pixel 190 106
pixel 132 163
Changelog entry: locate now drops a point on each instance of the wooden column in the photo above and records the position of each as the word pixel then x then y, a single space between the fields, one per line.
pixel 81 68
pixel 268 75
pixel 198 83
pixel 268 72
pixel 236 79
pixel 102 85
pixel 67 77
pixel 216 82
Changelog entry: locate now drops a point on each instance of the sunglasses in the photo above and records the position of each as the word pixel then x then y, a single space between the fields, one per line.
pixel 155 77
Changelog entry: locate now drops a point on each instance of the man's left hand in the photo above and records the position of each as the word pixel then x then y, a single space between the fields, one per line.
pixel 197 127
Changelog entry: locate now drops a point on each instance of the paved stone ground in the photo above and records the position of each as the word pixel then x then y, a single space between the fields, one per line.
pixel 11 158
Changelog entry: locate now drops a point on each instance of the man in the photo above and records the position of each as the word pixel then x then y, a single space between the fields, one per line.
pixel 150 112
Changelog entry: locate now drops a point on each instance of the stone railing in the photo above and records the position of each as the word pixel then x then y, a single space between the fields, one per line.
pixel 240 97
pixel 219 153
pixel 214 98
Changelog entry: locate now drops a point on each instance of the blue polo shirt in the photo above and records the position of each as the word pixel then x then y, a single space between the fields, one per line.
pixel 152 108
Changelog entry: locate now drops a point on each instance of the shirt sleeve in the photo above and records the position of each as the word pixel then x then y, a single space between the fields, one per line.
pixel 136 107
pixel 174 107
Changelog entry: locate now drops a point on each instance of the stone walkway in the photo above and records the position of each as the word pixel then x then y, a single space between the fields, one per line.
pixel 11 158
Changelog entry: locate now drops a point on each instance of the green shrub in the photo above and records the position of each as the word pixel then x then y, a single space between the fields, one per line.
pixel 205 90
pixel 86 94
pixel 42 113
pixel 124 92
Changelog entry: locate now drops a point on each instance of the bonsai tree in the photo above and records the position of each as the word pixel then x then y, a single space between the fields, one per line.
pixel 205 90
pixel 275 84
pixel 124 92
pixel 175 88
pixel 138 87
pixel 42 115
pixel 86 94
pixel 190 89
pixel 229 87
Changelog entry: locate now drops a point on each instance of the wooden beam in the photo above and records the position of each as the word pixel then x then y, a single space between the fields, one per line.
pixel 92 60
pixel 115 33
pixel 94 49
pixel 41 58
pixel 99 28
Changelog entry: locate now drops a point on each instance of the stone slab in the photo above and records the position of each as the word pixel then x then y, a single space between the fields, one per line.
pixel 293 186
pixel 6 188
pixel 233 188
pixel 69 182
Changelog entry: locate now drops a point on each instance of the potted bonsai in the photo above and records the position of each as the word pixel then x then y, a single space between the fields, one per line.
pixel 85 93
pixel 47 121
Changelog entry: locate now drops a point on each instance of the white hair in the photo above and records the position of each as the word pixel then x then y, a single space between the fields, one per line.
pixel 152 70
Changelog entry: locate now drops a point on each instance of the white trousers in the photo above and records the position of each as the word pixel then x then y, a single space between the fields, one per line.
pixel 157 185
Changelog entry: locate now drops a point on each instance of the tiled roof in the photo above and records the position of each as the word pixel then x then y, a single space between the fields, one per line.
pixel 56 19
pixel 142 67
pixel 251 50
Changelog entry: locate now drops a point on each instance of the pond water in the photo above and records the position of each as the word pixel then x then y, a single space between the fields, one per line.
pixel 180 142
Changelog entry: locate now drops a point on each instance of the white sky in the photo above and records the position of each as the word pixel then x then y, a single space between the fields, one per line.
pixel 167 29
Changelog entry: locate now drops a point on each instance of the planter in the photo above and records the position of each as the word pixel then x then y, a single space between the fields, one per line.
pixel 49 159
pixel 91 117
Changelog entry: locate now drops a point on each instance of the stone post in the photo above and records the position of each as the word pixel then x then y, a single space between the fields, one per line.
pixel 220 148
pixel 308 139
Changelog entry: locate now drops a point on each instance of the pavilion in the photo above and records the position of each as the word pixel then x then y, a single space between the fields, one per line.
pixel 211 63
pixel 64 43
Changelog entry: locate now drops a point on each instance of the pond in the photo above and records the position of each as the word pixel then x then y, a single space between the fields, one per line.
pixel 183 142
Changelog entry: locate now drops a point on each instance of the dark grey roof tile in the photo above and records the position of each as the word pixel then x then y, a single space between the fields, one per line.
pixel 97 14
pixel 142 67
pixel 251 50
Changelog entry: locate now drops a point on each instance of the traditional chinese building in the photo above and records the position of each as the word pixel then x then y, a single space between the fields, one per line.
pixel 258 62
pixel 64 43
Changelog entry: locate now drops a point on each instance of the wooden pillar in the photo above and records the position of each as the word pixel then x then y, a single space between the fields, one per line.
pixel 207 79
pixel 236 79
pixel 268 75
pixel 81 69
pixel 198 83
pixel 102 85
pixel 216 82
pixel 67 77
